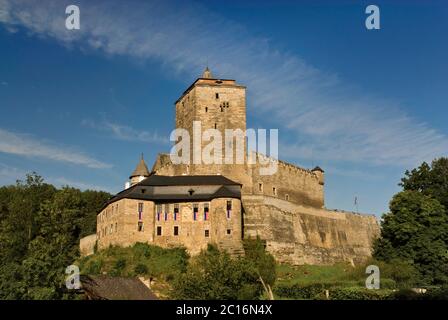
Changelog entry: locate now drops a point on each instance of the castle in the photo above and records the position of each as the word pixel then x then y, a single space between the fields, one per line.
pixel 191 205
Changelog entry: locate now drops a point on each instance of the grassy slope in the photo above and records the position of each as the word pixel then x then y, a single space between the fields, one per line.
pixel 152 262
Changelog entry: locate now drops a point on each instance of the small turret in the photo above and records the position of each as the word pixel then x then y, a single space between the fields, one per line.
pixel 207 74
pixel 140 173
pixel 320 174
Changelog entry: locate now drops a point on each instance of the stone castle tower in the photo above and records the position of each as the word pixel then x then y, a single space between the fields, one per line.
pixel 211 103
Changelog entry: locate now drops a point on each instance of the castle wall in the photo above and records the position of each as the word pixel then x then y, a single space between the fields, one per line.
pixel 291 183
pixel 192 232
pixel 87 245
pixel 298 234
pixel 118 224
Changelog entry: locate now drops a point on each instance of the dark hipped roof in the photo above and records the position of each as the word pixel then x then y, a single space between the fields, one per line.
pixel 225 191
pixel 214 180
pixel 115 288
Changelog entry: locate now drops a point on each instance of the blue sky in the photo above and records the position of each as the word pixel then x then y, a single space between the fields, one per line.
pixel 80 106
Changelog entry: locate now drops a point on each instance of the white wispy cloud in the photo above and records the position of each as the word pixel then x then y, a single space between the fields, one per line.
pixel 327 118
pixel 26 145
pixel 125 133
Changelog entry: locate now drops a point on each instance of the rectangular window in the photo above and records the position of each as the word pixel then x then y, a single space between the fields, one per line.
pixel 207 233
pixel 206 210
pixel 140 226
pixel 229 231
pixel 176 230
pixel 195 211
pixel 158 211
pixel 260 187
pixel 217 95
pixel 159 230
pixel 140 210
pixel 274 191
pixel 167 210
pixel 229 209
pixel 176 211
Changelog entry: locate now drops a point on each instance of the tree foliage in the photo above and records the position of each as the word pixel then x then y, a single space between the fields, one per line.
pixel 214 275
pixel 416 228
pixel 40 228
pixel 430 180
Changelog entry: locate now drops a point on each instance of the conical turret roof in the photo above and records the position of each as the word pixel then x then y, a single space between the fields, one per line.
pixel 141 169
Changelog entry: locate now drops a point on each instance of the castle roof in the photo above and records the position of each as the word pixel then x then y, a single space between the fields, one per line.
pixel 317 168
pixel 141 169
pixel 115 288
pixel 197 180
pixel 181 188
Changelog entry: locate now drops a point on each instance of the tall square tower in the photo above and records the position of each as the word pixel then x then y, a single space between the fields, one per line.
pixel 216 104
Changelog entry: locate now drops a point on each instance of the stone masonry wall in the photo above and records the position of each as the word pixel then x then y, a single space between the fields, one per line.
pixel 305 235
pixel 291 183
pixel 118 223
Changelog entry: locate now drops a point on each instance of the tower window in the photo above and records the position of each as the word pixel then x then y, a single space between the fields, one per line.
pixel 167 210
pixel 229 231
pixel 287 197
pixel 207 233
pixel 140 210
pixel 140 226
pixel 206 211
pixel 260 187
pixel 229 209
pixel 158 211
pixel 195 211
pixel 176 230
pixel 274 191
pixel 206 109
pixel 176 211
pixel 217 95
pixel 159 231
pixel 215 126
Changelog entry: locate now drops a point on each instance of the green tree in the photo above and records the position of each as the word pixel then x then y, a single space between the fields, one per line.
pixel 56 245
pixel 40 228
pixel 214 275
pixel 263 261
pixel 416 230
pixel 430 180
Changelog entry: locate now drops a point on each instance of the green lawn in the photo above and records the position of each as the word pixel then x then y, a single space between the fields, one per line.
pixel 307 274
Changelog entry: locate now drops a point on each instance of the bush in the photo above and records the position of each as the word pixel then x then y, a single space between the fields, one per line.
pixel 264 262
pixel 396 273
pixel 119 266
pixel 297 291
pixel 141 269
pixel 214 275
pixel 94 267
pixel 356 293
